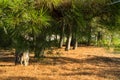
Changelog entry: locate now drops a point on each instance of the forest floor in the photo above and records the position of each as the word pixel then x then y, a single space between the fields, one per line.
pixel 84 63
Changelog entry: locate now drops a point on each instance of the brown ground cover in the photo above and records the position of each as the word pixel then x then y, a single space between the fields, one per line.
pixel 85 63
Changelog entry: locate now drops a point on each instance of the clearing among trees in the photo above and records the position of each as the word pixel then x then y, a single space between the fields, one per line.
pixel 84 63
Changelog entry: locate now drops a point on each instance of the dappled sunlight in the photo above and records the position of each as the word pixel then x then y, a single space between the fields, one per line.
pixel 85 63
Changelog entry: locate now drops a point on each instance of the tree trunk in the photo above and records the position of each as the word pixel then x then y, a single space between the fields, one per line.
pixel 40 46
pixel 99 38
pixel 110 41
pixel 61 36
pixel 75 42
pixel 16 58
pixel 68 42
pixel 39 53
pixel 75 45
pixel 89 35
pixel 61 42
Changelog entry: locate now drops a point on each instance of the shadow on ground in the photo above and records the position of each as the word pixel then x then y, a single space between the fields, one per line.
pixel 19 78
pixel 110 74
pixel 106 67
pixel 93 60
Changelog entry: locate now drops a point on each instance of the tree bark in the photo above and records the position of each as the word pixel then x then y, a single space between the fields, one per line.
pixel 16 58
pixel 61 42
pixel 99 38
pixel 40 46
pixel 75 45
pixel 89 36
pixel 68 42
pixel 61 36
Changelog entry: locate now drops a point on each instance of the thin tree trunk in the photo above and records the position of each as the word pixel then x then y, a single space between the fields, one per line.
pixel 110 40
pixel 75 45
pixel 61 42
pixel 40 47
pixel 75 42
pixel 96 42
pixel 61 36
pixel 99 38
pixel 69 38
pixel 16 58
pixel 68 42
pixel 89 35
